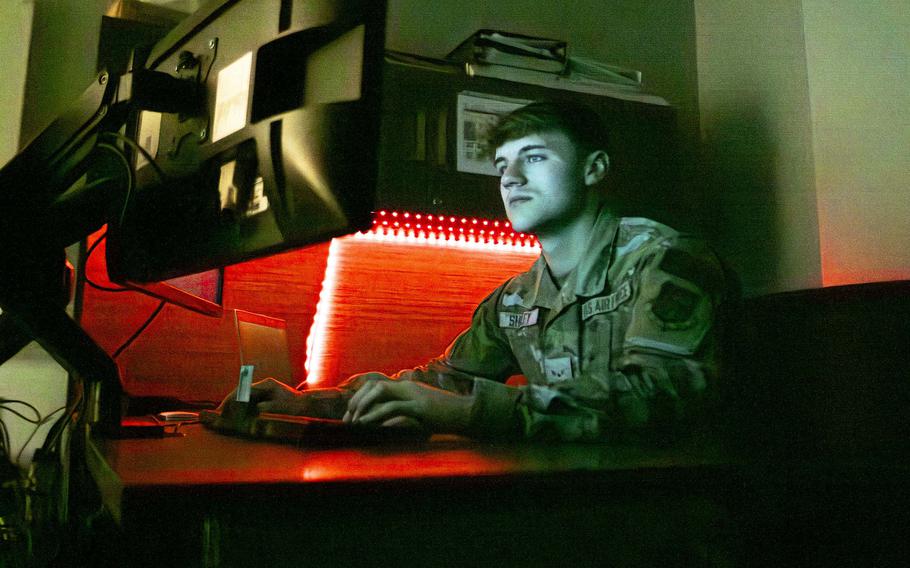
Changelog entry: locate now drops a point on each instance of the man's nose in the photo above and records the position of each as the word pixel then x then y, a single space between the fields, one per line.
pixel 512 176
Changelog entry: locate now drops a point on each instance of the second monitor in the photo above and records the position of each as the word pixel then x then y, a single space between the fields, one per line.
pixel 281 153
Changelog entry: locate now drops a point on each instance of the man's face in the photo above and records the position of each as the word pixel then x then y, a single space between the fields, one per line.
pixel 542 182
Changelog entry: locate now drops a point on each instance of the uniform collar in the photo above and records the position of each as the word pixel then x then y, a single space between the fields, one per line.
pixel 592 270
pixel 536 287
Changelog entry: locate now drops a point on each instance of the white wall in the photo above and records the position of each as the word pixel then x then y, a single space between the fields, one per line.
pixel 62 58
pixel 858 59
pixel 15 29
pixel 31 375
pixel 757 141
pixel 48 50
pixel 806 134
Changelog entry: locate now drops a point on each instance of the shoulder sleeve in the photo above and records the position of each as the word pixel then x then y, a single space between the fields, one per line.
pixel 679 286
pixel 666 359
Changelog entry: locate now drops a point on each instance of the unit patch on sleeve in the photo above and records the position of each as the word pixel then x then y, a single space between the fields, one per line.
pixel 608 303
pixel 675 304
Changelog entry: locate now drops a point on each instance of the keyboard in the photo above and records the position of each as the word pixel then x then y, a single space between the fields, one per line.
pixel 305 430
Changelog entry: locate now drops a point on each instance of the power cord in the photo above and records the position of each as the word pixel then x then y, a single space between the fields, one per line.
pixel 139 331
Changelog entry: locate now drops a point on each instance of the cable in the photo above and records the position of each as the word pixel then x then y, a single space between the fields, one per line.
pixel 145 153
pixel 5 401
pixel 38 426
pixel 130 176
pixel 20 415
pixel 104 288
pixel 148 321
pixel 97 182
pixel 4 438
pixel 179 145
pixel 91 282
pixel 38 421
pixel 57 429
pixel 212 62
pixel 139 331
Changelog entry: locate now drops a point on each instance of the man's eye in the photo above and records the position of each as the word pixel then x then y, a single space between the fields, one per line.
pixel 535 158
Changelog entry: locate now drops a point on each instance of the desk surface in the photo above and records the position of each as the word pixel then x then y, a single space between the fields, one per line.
pixel 277 503
pixel 200 459
pixel 274 503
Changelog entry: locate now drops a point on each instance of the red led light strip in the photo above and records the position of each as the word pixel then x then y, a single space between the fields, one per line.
pixel 319 330
pixel 447 229
pixel 395 227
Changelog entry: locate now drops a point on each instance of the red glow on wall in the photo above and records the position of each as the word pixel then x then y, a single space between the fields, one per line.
pixel 384 300
pixel 384 308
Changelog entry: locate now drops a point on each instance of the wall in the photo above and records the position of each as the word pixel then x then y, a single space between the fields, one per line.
pixel 61 63
pixel 804 128
pixel 654 37
pixel 757 141
pixel 48 52
pixel 15 26
pixel 858 60
pixel 31 375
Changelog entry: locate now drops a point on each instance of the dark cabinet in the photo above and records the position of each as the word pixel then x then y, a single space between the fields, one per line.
pixel 415 124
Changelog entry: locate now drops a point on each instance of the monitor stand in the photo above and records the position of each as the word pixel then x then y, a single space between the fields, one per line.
pixel 29 314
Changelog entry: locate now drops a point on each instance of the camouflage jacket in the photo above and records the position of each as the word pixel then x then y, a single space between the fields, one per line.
pixel 627 341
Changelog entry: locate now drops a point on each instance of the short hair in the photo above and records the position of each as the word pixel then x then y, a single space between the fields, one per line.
pixel 580 123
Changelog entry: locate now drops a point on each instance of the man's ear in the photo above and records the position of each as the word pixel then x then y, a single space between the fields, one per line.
pixel 596 167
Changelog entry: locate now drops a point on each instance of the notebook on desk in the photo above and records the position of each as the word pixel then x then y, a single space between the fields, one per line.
pixel 263 344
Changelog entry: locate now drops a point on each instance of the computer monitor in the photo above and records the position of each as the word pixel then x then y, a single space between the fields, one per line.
pixel 255 125
pixel 282 151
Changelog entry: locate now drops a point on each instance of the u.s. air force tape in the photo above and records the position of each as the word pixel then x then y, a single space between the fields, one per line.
pixel 607 303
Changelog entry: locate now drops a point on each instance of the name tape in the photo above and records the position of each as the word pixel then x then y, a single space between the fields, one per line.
pixel 518 319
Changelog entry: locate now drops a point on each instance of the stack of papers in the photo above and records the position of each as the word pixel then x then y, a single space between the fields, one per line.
pixel 545 62
pixel 512 50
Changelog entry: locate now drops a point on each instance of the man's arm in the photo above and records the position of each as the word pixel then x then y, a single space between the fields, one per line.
pixel 449 393
pixel 662 374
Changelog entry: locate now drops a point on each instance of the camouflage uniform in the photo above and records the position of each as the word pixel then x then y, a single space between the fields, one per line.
pixel 627 341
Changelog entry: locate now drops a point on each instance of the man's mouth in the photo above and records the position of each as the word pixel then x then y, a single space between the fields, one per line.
pixel 518 199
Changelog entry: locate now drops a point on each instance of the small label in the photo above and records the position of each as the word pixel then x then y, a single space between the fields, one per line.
pixel 517 320
pixel 232 97
pixel 246 380
pixel 259 201
pixel 607 303
pixel 558 369
pixel 149 132
pixel 226 188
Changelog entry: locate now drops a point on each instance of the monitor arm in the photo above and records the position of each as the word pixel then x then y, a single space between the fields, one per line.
pixel 41 213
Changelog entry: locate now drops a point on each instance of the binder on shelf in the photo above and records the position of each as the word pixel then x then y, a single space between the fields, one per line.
pixel 563 82
pixel 512 50
pixel 591 70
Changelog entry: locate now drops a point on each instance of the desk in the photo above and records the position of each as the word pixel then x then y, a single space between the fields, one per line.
pixel 209 499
